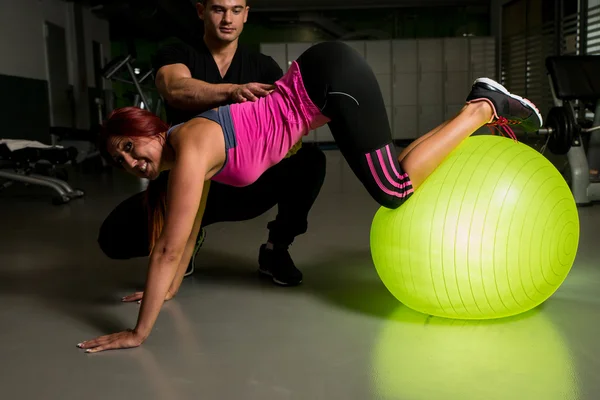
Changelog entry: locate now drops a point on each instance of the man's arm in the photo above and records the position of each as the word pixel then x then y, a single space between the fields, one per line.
pixel 175 83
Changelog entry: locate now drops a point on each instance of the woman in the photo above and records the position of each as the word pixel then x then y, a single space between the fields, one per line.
pixel 329 83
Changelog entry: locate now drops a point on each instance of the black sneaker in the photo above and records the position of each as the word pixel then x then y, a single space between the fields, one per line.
pixel 278 265
pixel 199 241
pixel 509 109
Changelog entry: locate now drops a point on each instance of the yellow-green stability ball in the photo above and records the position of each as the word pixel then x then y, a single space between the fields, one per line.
pixel 493 232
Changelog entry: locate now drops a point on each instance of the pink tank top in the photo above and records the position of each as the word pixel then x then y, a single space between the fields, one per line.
pixel 265 130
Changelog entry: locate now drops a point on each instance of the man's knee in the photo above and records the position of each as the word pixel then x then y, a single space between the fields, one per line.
pixel 110 242
pixel 108 245
pixel 124 232
pixel 121 246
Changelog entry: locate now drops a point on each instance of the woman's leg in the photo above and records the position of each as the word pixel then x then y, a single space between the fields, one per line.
pixel 341 84
pixel 344 87
pixel 413 144
pixel 426 154
pixel 488 103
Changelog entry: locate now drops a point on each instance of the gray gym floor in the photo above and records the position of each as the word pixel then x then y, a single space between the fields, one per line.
pixel 230 335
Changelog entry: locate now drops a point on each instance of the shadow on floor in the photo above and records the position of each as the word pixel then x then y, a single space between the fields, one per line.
pixel 91 294
pixel 86 295
pixel 348 279
pixel 344 279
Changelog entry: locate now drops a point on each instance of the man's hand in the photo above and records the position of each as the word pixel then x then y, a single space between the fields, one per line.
pixel 250 92
pixel 137 296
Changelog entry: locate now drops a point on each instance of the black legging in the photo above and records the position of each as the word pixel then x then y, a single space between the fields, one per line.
pixel 341 83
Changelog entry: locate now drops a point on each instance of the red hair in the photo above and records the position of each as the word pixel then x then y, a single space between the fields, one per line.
pixel 135 122
pixel 129 122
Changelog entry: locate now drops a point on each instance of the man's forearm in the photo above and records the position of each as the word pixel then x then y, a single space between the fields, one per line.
pixel 192 94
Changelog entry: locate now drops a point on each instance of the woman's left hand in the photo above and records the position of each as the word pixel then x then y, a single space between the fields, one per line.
pixel 122 340
pixel 137 296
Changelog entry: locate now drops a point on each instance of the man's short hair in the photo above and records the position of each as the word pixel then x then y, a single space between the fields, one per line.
pixel 205 1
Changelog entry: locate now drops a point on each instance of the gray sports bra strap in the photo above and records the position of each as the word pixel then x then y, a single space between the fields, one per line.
pixel 171 128
pixel 210 114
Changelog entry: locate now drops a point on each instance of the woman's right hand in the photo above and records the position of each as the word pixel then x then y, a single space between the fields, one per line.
pixel 137 296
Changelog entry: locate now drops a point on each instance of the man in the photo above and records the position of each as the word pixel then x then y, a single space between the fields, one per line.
pixel 191 80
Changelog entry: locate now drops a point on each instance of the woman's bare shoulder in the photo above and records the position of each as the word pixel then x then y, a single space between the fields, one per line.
pixel 202 136
pixel 196 130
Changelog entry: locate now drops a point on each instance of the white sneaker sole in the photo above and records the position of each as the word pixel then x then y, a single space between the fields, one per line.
pixel 523 100
pixel 277 281
pixel 196 249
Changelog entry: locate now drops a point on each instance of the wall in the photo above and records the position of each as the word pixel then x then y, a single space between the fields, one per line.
pixel 24 89
pixel 22 49
pixel 593 39
pixel 381 23
pixel 96 30
pixel 384 23
pixel 496 28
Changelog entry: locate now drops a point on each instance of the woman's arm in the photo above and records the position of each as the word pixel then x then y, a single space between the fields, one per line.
pixel 184 194
pixel 187 254
pixel 197 157
pixel 191 244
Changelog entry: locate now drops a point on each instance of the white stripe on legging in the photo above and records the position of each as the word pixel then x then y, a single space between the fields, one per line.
pixel 345 94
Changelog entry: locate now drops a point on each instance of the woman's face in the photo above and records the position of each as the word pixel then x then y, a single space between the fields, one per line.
pixel 140 156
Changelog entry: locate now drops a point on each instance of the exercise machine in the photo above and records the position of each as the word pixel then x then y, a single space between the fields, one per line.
pixel 575 87
pixel 20 160
pixel 121 69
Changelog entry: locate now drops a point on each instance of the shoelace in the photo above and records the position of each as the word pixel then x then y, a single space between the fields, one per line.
pixel 502 125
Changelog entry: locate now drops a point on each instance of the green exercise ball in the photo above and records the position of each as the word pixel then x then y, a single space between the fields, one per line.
pixel 493 232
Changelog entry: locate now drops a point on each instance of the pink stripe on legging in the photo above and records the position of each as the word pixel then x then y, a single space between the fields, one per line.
pixel 405 175
pixel 387 174
pixel 378 181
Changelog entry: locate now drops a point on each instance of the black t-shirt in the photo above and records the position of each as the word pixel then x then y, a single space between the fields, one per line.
pixel 246 66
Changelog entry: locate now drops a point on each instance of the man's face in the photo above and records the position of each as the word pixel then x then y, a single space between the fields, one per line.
pixel 223 19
